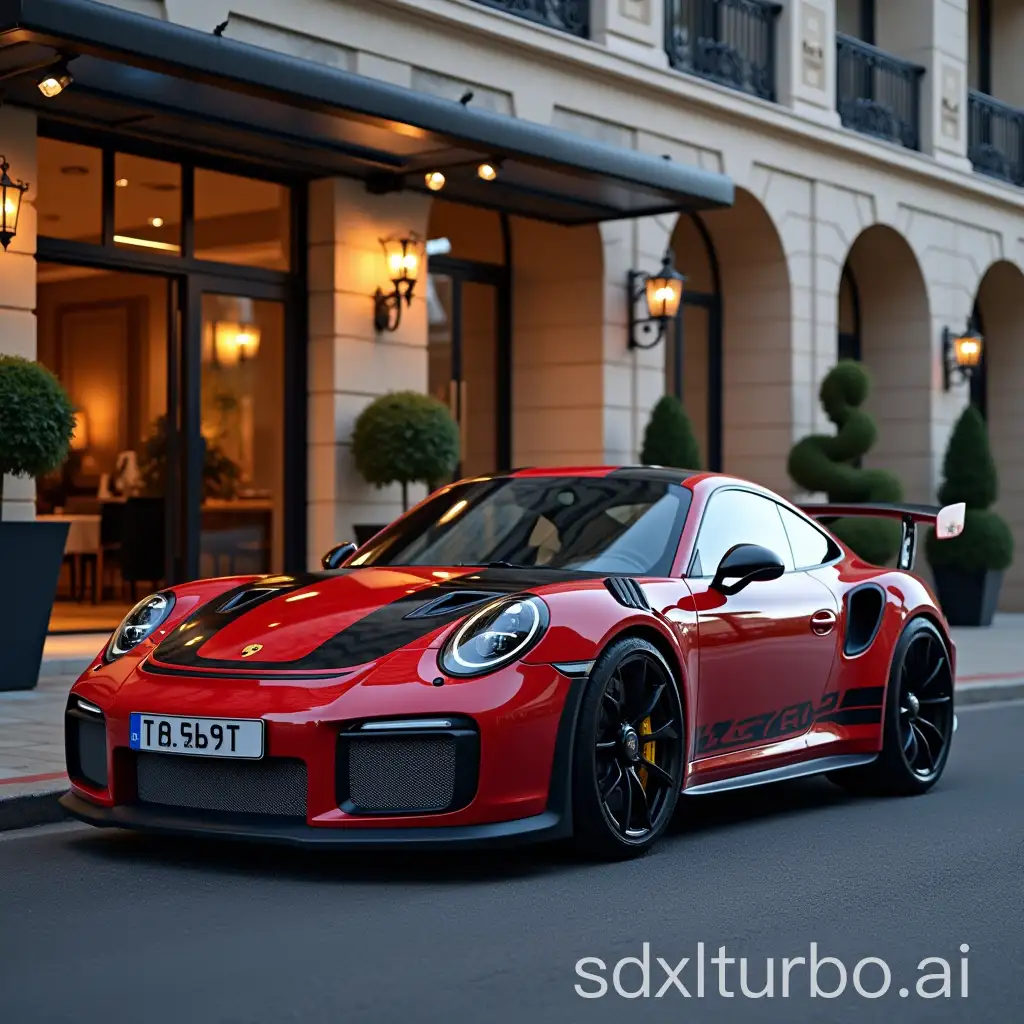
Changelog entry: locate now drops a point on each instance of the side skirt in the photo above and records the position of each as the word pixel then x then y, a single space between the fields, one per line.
pixel 790 771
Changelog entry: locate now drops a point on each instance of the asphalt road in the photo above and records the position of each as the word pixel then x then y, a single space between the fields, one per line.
pixel 110 927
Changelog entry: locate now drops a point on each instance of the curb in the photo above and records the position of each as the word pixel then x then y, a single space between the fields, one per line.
pixel 43 808
pixel 31 809
pixel 56 668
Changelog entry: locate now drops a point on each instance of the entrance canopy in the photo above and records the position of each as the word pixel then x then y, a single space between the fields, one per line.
pixel 172 85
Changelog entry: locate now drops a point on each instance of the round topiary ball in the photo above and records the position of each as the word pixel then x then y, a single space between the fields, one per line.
pixel 37 419
pixel 405 437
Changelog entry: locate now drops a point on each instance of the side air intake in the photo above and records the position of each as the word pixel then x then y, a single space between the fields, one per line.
pixel 864 609
pixel 628 592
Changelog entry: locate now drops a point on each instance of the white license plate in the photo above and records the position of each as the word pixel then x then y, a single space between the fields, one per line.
pixel 208 737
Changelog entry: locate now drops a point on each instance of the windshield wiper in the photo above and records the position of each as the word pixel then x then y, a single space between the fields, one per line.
pixel 496 565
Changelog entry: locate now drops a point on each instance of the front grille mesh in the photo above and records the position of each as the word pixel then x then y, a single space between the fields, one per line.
pixel 402 773
pixel 273 786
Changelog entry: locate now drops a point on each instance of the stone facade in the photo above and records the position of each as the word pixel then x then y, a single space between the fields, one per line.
pixel 924 236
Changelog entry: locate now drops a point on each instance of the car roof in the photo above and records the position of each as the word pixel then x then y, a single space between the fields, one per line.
pixel 659 473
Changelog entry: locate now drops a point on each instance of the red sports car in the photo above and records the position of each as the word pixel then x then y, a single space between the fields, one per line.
pixel 531 656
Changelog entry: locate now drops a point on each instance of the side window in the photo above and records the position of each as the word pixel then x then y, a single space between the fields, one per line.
pixel 739 517
pixel 810 546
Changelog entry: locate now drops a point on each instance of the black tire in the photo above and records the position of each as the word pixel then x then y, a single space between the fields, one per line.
pixel 625 790
pixel 918 719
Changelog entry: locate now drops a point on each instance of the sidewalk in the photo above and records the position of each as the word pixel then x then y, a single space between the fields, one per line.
pixel 991 667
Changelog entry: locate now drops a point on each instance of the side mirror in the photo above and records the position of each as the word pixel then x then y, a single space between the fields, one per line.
pixel 746 564
pixel 338 554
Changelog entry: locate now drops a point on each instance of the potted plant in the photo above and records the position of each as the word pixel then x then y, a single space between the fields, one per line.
pixel 36 423
pixel 968 570
pixel 831 463
pixel 404 437
pixel 669 438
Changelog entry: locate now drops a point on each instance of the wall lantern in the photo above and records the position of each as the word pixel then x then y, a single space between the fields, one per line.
pixel 11 194
pixel 662 292
pixel 961 355
pixel 404 257
pixel 231 336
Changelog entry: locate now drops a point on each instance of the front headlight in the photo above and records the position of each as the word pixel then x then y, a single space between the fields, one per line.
pixel 148 615
pixel 496 635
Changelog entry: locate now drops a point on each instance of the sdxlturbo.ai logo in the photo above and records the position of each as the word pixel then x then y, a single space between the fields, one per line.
pixel 820 977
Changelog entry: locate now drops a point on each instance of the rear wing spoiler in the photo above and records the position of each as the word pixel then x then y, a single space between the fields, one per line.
pixel 948 521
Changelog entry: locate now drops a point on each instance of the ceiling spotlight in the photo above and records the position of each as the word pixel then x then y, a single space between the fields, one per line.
pixel 435 180
pixel 157 222
pixel 55 81
pixel 121 183
pixel 487 172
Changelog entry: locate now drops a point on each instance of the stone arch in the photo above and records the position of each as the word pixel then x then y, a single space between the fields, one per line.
pixel 999 315
pixel 894 330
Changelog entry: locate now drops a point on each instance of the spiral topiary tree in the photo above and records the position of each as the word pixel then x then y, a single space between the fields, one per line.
pixel 405 437
pixel 969 475
pixel 37 420
pixel 669 438
pixel 828 463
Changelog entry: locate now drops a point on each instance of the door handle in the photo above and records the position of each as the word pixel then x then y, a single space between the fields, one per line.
pixel 823 622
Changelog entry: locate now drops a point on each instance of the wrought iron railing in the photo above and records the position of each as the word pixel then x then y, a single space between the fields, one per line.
pixel 878 94
pixel 731 42
pixel 995 138
pixel 572 16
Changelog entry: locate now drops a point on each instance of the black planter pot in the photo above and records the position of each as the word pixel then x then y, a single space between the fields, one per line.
pixel 31 555
pixel 967 598
pixel 364 532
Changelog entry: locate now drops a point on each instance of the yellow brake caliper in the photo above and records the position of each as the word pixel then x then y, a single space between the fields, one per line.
pixel 648 750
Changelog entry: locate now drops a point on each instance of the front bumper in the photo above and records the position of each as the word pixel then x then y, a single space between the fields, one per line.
pixel 518 745
pixel 544 827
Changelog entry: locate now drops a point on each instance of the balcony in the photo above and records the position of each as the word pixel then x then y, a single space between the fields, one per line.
pixel 878 94
pixel 572 16
pixel 731 42
pixel 995 138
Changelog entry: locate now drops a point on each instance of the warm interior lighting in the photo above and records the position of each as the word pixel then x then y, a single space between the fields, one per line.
pixel 967 350
pixel 487 172
pixel 235 342
pixel 157 222
pixel 80 437
pixel 435 180
pixel 146 243
pixel 121 183
pixel 54 82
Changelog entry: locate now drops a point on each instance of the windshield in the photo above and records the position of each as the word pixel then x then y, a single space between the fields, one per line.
pixel 606 525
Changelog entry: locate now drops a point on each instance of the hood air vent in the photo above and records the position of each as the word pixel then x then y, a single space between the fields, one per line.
pixel 247 598
pixel 628 592
pixel 453 601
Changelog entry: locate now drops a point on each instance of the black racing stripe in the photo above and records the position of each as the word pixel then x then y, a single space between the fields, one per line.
pixel 864 697
pixel 854 716
pixel 377 634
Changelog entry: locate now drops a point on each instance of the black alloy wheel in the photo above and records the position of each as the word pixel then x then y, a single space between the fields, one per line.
pixel 629 752
pixel 918 721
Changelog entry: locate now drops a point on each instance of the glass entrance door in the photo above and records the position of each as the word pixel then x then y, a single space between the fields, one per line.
pixel 468 359
pixel 237 419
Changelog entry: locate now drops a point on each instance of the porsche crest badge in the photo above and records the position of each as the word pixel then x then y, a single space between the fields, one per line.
pixel 248 652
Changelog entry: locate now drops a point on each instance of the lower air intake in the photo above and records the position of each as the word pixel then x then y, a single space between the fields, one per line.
pixel 402 773
pixel 274 786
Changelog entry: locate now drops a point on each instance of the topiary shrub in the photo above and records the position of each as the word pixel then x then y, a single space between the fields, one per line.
pixel 669 438
pixel 827 463
pixel 37 420
pixel 969 475
pixel 405 437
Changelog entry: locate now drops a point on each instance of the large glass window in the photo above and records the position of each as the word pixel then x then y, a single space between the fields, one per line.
pixel 614 524
pixel 147 204
pixel 242 417
pixel 241 220
pixel 69 193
